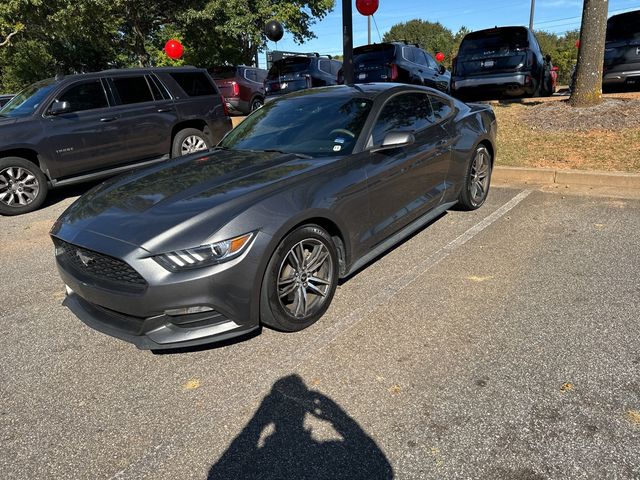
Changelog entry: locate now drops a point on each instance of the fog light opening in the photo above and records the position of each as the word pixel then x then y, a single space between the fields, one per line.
pixel 175 312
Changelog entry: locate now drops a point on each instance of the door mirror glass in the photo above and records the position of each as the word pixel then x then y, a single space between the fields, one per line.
pixel 59 107
pixel 395 140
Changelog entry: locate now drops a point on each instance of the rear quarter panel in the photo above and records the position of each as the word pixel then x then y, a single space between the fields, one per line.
pixel 472 125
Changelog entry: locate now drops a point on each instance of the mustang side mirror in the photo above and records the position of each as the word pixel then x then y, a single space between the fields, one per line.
pixel 59 107
pixel 395 140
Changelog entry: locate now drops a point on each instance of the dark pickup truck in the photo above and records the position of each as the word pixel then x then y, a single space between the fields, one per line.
pixel 82 127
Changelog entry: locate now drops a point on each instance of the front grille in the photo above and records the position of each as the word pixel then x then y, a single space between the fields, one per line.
pixel 98 269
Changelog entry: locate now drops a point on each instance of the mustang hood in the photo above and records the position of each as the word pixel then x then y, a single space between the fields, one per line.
pixel 178 194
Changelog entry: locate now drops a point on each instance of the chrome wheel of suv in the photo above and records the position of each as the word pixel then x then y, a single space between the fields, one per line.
pixel 18 186
pixel 192 144
pixel 23 186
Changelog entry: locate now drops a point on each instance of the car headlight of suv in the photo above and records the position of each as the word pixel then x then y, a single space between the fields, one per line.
pixel 205 255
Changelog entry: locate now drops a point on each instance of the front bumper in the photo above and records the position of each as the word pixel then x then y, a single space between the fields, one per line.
pixel 159 332
pixel 229 291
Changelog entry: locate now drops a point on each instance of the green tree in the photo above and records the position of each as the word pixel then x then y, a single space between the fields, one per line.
pixel 433 37
pixel 45 37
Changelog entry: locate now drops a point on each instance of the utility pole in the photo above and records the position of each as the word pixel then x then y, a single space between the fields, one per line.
pixel 347 42
pixel 533 9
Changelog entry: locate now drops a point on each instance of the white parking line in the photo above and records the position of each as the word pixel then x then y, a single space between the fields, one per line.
pixel 154 458
pixel 320 342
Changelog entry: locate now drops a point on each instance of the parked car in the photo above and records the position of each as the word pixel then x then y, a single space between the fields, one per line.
pixel 4 99
pixel 81 127
pixel 501 61
pixel 398 62
pixel 291 74
pixel 307 190
pixel 242 87
pixel 622 52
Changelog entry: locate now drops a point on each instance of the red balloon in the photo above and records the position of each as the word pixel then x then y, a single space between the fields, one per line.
pixel 173 49
pixel 367 7
pixel 439 56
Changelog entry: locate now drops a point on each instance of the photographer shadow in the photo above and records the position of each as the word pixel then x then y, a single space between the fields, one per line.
pixel 278 442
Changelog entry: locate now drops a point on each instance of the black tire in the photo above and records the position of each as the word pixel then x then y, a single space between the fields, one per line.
pixel 285 312
pixel 256 103
pixel 470 198
pixel 22 183
pixel 183 142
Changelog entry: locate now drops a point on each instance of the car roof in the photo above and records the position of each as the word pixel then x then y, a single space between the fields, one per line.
pixel 366 90
pixel 128 71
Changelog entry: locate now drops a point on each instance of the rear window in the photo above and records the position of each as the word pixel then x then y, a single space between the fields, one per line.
pixel 494 40
pixel 624 27
pixel 288 65
pixel 383 53
pixel 194 84
pixel 222 73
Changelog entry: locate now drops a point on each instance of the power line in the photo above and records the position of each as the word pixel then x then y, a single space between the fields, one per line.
pixel 376 24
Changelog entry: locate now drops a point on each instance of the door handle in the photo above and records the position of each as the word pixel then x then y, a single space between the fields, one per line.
pixel 107 119
pixel 166 109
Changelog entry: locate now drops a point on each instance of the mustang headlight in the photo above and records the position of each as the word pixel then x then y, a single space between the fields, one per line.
pixel 205 255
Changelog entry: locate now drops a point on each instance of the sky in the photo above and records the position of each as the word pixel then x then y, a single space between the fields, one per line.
pixel 557 16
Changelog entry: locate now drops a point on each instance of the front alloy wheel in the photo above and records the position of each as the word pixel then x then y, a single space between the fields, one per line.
pixel 300 280
pixel 192 144
pixel 23 186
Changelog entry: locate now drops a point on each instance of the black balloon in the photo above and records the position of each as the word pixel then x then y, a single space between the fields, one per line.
pixel 274 31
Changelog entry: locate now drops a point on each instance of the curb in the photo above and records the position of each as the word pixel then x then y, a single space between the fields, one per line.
pixel 566 177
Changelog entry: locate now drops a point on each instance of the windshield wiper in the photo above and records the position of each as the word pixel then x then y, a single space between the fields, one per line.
pixel 299 155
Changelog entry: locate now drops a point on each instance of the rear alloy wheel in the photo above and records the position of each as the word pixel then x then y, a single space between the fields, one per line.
pixel 477 180
pixel 189 140
pixel 300 280
pixel 256 103
pixel 23 186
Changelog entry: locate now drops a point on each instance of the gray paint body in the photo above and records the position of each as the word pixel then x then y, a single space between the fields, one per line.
pixel 364 198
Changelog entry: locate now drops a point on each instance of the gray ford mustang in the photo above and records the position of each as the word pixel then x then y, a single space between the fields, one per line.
pixel 259 230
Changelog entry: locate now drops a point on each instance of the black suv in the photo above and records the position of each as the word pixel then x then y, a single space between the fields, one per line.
pixel 299 72
pixel 500 61
pixel 80 127
pixel 622 52
pixel 398 62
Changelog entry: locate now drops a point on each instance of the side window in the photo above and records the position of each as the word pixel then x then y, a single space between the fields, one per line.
pixel 132 89
pixel 159 87
pixel 85 96
pixel 441 108
pixel 250 75
pixel 431 62
pixel 407 54
pixel 324 66
pixel 420 57
pixel 194 84
pixel 407 112
pixel 335 67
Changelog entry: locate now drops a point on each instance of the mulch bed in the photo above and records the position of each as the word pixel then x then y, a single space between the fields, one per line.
pixel 611 115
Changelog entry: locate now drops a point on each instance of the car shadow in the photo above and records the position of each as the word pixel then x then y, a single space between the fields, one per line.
pixel 344 280
pixel 210 346
pixel 282 441
pixel 57 195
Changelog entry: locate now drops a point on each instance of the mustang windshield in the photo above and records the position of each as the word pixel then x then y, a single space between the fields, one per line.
pixel 314 125
pixel 26 102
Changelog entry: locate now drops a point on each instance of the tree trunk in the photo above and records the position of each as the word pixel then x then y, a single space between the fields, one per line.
pixel 588 84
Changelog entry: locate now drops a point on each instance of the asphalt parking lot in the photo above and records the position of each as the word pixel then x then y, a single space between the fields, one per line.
pixel 497 344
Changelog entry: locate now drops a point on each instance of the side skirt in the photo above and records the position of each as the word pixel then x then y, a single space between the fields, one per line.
pixel 399 236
